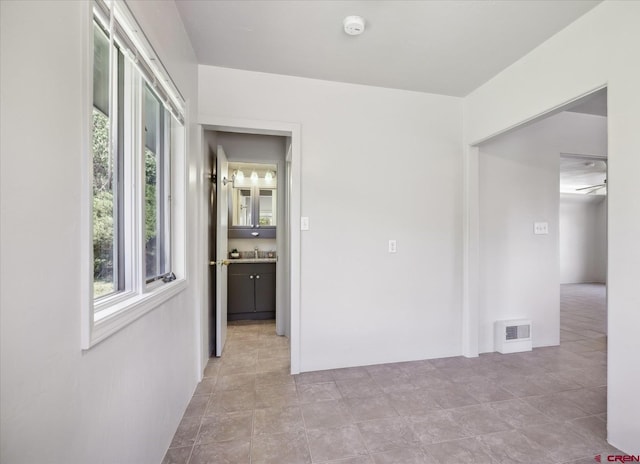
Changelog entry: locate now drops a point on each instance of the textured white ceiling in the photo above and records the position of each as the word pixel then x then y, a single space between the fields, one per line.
pixel 447 47
pixel 579 173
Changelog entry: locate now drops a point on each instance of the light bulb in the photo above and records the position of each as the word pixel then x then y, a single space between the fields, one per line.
pixel 254 176
pixel 268 177
pixel 239 175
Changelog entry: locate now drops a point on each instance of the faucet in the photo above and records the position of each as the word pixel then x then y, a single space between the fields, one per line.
pixel 255 252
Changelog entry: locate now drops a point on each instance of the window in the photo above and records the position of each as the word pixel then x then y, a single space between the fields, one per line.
pixel 107 129
pixel 157 162
pixel 136 141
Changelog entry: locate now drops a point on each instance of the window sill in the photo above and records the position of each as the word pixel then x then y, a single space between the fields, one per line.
pixel 116 317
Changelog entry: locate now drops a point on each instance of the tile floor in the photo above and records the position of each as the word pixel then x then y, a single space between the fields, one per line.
pixel 544 406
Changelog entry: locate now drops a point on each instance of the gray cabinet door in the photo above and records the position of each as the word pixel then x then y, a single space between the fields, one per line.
pixel 241 293
pixel 251 291
pixel 265 284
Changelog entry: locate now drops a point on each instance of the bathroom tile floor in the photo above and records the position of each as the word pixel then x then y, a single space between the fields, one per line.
pixel 543 406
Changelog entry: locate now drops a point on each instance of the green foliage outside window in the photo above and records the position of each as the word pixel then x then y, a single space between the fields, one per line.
pixel 103 207
pixel 150 201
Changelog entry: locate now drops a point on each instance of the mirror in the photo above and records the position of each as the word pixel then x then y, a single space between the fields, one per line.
pixel 253 199
pixel 242 207
pixel 267 207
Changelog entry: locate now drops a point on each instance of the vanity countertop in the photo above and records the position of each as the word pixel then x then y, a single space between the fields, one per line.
pixel 251 260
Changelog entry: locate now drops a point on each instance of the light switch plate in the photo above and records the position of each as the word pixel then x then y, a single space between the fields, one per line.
pixel 541 228
pixel 304 223
pixel 393 248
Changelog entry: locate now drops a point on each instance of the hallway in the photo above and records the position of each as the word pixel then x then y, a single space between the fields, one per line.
pixel 548 405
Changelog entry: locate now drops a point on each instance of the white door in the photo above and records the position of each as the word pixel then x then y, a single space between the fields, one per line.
pixel 221 250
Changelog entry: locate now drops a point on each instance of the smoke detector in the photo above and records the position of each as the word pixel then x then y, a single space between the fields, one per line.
pixel 353 25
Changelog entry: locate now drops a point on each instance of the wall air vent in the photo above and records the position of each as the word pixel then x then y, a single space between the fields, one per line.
pixel 513 336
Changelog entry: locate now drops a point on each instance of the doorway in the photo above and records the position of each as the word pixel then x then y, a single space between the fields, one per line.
pixel 518 217
pixel 583 218
pixel 518 235
pixel 217 130
pixel 583 237
pixel 583 256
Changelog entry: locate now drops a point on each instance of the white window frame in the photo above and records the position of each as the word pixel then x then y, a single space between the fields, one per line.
pixel 105 316
pixel 164 170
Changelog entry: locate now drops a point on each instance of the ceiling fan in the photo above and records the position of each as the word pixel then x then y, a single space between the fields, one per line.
pixel 594 188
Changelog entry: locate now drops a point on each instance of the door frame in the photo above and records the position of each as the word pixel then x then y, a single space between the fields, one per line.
pixel 287 129
pixel 471 224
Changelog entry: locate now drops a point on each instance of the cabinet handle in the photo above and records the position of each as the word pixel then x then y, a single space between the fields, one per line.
pixel 255 234
pixel 257 277
pixel 251 277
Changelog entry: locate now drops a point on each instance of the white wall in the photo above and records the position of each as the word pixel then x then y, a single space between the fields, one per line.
pixel 519 185
pixel 519 270
pixel 599 48
pixel 122 400
pixel 253 147
pixel 365 151
pixel 583 242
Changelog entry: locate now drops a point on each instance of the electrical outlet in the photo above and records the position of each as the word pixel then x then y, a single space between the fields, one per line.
pixel 392 246
pixel 541 228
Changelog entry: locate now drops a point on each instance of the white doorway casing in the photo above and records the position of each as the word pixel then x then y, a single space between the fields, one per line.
pixel 292 255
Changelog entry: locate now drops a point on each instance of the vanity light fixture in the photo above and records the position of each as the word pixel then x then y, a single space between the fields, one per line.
pixel 237 175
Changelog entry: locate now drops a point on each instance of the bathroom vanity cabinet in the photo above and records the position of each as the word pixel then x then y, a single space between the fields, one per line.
pixel 251 291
